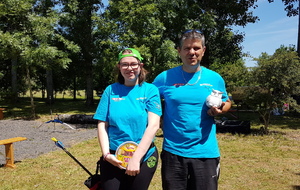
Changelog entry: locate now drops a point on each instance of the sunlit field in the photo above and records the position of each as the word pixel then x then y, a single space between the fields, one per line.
pixel 252 161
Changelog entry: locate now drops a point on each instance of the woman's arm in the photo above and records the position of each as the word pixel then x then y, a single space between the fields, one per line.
pixel 133 167
pixel 104 144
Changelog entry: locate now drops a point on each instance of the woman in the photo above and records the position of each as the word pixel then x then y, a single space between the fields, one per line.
pixel 129 110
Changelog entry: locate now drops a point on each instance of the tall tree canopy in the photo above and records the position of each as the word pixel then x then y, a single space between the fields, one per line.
pixel 149 24
pixel 274 82
pixel 27 40
pixel 43 37
pixel 78 25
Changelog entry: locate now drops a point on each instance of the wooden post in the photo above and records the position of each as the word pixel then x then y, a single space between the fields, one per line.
pixel 9 152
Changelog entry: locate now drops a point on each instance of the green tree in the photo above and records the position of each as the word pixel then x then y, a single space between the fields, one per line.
pixel 78 25
pixel 13 21
pixel 274 82
pixel 137 25
pixel 28 36
pixel 150 25
pixel 106 50
pixel 235 74
pixel 214 18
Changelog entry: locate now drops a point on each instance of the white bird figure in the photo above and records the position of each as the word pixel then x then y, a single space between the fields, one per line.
pixel 214 99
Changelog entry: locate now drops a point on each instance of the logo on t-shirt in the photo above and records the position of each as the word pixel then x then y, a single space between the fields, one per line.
pixel 141 98
pixel 178 84
pixel 205 84
pixel 157 105
pixel 117 99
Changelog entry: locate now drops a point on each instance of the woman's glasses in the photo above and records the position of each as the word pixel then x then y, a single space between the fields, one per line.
pixel 191 30
pixel 133 66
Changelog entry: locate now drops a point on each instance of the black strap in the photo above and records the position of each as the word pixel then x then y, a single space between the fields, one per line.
pixel 98 167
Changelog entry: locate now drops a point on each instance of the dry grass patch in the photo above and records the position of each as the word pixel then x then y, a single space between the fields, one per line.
pixel 266 162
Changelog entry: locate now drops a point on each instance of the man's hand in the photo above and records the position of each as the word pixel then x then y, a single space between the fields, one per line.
pixel 213 111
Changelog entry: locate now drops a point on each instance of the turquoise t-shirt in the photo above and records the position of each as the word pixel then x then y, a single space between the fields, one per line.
pixel 188 130
pixel 126 110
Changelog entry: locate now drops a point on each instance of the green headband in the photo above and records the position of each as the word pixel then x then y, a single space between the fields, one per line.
pixel 134 53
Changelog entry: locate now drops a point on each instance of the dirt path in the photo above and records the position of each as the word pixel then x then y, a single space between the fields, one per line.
pixel 39 136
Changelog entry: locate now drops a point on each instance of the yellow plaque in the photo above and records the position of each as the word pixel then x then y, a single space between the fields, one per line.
pixel 125 151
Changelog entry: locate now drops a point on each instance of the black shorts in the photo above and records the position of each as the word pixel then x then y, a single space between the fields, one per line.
pixel 114 178
pixel 180 173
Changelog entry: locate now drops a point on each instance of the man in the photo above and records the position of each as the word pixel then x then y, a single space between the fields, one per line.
pixel 190 156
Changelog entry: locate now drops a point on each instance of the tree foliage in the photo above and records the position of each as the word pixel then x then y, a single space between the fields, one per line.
pixel 235 74
pixel 152 24
pixel 27 37
pixel 274 82
pixel 78 25
pixel 73 44
pixel 291 7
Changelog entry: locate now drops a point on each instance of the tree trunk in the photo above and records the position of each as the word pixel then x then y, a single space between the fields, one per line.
pixel 50 99
pixel 74 88
pixel 87 52
pixel 265 116
pixel 30 92
pixel 89 86
pixel 14 80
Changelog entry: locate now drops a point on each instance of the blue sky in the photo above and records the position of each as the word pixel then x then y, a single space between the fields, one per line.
pixel 273 30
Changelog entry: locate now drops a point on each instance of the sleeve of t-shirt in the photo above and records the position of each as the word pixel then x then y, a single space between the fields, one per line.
pixel 153 103
pixel 222 87
pixel 102 109
pixel 159 82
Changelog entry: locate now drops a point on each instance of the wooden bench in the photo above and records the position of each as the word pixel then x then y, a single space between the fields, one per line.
pixel 1 113
pixel 9 150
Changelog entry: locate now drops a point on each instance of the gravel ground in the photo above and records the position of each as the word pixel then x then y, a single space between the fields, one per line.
pixel 39 136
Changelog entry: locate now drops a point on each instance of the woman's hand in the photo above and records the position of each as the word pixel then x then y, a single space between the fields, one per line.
pixel 133 167
pixel 113 160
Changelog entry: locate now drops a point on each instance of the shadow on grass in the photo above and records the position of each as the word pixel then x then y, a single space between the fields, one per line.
pixel 287 121
pixel 261 132
pixel 296 187
pixel 251 132
pixel 23 109
pixel 3 165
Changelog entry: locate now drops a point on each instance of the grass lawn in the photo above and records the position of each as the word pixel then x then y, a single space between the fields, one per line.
pixel 63 104
pixel 248 162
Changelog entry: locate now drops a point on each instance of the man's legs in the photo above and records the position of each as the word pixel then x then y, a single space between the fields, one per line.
pixel 204 173
pixel 173 172
pixel 179 173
